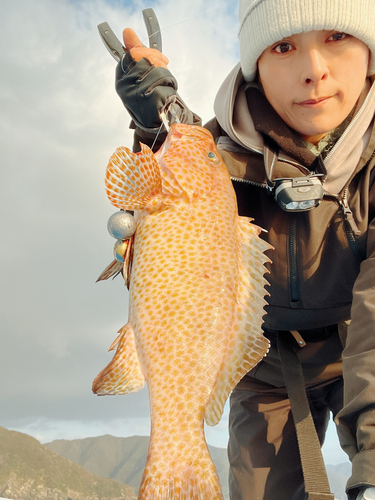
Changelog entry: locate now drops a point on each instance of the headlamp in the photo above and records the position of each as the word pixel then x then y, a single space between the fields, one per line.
pixel 299 194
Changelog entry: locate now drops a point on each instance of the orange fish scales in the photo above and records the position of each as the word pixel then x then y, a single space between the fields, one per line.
pixel 196 299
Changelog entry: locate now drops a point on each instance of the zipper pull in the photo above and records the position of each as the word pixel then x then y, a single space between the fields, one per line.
pixel 349 214
pixel 298 338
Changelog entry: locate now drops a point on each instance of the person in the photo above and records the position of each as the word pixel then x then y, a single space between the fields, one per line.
pixel 294 123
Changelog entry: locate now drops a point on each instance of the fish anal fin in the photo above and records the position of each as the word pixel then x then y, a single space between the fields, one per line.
pixel 123 374
pixel 247 346
pixel 133 180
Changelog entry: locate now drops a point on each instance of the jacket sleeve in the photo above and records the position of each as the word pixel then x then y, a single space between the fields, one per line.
pixel 144 90
pixel 357 418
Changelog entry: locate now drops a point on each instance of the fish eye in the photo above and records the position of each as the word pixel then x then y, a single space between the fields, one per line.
pixel 211 155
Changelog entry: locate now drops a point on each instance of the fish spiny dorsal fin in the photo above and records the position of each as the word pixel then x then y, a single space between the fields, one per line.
pixel 246 345
pixel 133 179
pixel 123 374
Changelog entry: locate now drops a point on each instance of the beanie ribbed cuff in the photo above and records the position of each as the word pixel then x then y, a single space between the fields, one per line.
pixel 265 22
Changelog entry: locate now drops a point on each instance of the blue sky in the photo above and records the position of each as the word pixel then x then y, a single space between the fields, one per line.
pixel 60 122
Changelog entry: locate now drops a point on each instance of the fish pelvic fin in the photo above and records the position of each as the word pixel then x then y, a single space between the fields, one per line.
pixel 247 345
pixel 123 374
pixel 133 180
pixel 112 270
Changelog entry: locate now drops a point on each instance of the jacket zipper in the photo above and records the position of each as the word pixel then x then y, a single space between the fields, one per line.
pixel 351 230
pixel 246 181
pixel 292 249
pixel 351 227
pixel 295 295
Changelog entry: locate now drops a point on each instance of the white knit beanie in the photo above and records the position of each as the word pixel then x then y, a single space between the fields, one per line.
pixel 264 22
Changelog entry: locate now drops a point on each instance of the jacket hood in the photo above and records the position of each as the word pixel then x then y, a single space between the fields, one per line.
pixel 233 114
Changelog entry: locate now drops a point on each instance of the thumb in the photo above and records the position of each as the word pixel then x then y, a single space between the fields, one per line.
pixel 131 39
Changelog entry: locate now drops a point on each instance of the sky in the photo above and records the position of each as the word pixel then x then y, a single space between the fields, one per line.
pixel 60 121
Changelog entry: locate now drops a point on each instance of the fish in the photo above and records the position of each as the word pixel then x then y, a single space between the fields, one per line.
pixel 196 298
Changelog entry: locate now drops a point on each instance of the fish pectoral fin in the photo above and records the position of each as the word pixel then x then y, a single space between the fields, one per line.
pixel 249 346
pixel 133 180
pixel 123 374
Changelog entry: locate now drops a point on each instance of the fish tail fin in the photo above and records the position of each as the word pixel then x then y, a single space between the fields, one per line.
pixel 249 346
pixel 133 180
pixel 123 374
pixel 181 482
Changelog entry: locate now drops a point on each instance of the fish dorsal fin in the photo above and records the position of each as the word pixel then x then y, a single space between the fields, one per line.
pixel 246 343
pixel 123 374
pixel 132 179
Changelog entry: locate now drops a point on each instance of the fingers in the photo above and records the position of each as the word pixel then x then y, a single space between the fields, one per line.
pixel 138 51
pixel 131 39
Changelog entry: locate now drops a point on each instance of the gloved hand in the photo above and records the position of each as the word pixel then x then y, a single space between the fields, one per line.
pixel 143 81
pixel 367 494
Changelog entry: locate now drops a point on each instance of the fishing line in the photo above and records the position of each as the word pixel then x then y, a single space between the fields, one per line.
pixel 141 44
pixel 180 22
pixel 157 135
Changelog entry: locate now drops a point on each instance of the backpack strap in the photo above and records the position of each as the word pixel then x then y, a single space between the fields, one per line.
pixel 314 471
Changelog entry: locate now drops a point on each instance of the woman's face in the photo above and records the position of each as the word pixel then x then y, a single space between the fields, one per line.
pixel 314 79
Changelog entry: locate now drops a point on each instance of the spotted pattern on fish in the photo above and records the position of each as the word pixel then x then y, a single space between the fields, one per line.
pixel 196 303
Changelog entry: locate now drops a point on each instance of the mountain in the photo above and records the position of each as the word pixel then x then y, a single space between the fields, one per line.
pixel 30 471
pixel 70 470
pixel 123 459
pixel 338 476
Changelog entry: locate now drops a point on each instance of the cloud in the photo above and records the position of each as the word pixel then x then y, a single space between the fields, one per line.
pixel 60 121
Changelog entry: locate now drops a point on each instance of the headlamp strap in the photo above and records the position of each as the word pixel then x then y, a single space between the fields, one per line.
pixel 319 168
pixel 270 159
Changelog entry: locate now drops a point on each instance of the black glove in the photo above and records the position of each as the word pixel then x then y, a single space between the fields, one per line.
pixel 144 89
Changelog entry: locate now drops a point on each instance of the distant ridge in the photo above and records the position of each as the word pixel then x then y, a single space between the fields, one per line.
pixel 30 471
pixel 123 459
pixel 338 476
